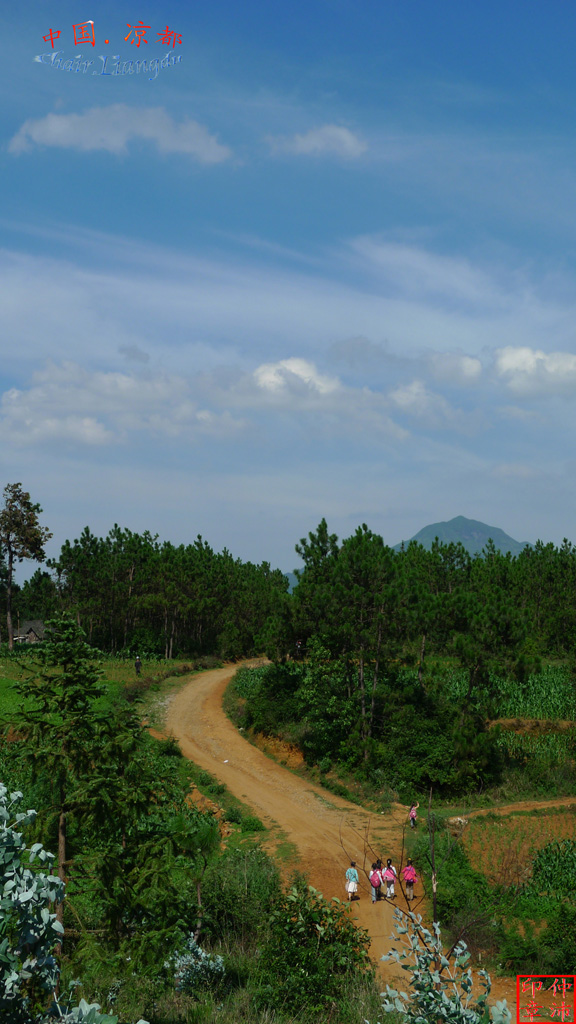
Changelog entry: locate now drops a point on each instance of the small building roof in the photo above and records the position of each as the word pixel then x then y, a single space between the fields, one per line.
pixel 32 626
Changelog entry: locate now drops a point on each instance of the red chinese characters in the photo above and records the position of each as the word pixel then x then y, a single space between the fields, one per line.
pixel 166 36
pixel 545 998
pixel 51 36
pixel 84 33
pixel 139 31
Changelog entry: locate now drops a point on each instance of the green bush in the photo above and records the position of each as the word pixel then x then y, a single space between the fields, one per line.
pixel 554 868
pixel 252 824
pixel 238 893
pixel 313 949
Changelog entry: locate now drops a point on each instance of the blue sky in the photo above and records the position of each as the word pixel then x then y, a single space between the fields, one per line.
pixel 324 265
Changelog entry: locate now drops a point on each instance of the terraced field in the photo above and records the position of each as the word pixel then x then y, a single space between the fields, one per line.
pixel 502 847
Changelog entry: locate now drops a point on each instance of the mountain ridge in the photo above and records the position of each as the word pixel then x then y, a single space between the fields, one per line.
pixel 473 534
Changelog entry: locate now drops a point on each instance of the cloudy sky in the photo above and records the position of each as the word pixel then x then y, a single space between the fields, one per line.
pixel 324 264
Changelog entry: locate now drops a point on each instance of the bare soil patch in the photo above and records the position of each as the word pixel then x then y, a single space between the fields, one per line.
pixel 533 726
pixel 504 850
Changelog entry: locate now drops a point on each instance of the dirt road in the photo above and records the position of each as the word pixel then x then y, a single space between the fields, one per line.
pixel 326 831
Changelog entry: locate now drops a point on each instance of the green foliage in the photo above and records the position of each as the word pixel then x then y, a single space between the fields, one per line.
pixel 194 968
pixel 458 885
pixel 548 693
pixel 28 927
pixel 239 891
pixel 137 595
pixel 554 868
pixel 314 947
pixel 525 949
pixel 250 823
pixel 441 982
pixel 419 738
pixel 21 536
pixel 270 696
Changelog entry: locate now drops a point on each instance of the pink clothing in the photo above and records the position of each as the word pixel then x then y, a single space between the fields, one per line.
pixel 409 874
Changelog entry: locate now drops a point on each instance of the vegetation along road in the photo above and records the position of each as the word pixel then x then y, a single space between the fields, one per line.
pixel 326 830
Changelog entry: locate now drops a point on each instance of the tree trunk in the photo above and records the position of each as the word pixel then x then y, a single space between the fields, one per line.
pixel 127 615
pixel 362 684
pixel 61 863
pixel 198 927
pixel 374 684
pixel 421 662
pixel 9 600
pixel 473 673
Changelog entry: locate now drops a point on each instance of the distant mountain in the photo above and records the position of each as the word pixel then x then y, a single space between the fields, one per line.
pixel 471 533
pixel 292 580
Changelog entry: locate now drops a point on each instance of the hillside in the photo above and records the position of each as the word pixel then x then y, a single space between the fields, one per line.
pixel 473 534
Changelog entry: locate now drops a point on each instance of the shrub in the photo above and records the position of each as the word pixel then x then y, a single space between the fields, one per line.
pixel 252 824
pixel 194 968
pixel 169 747
pixel 29 929
pixel 441 982
pixel 313 950
pixel 239 892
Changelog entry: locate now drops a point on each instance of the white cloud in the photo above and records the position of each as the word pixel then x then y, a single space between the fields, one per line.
pixel 417 271
pixel 416 400
pixel 529 371
pixel 288 373
pixel 69 403
pixel 328 140
pixel 292 394
pixel 112 128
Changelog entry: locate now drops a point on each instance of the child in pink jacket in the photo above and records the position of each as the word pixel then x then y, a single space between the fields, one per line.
pixel 389 875
pixel 412 815
pixel 410 878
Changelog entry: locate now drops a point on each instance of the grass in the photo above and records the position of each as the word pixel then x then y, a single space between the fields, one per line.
pixel 165 679
pixel 549 694
pixel 547 750
pixel 118 675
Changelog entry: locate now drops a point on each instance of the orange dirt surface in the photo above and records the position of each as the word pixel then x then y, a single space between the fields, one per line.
pixel 525 805
pixel 325 830
pixel 534 726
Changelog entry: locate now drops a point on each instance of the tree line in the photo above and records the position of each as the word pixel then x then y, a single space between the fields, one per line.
pixel 133 592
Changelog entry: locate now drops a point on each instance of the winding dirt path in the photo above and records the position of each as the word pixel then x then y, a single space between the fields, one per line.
pixel 325 830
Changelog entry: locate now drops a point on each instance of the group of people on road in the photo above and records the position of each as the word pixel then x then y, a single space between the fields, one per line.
pixel 381 876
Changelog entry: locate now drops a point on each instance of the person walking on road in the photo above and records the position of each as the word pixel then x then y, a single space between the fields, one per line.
pixel 352 880
pixel 412 815
pixel 375 881
pixel 389 875
pixel 410 878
